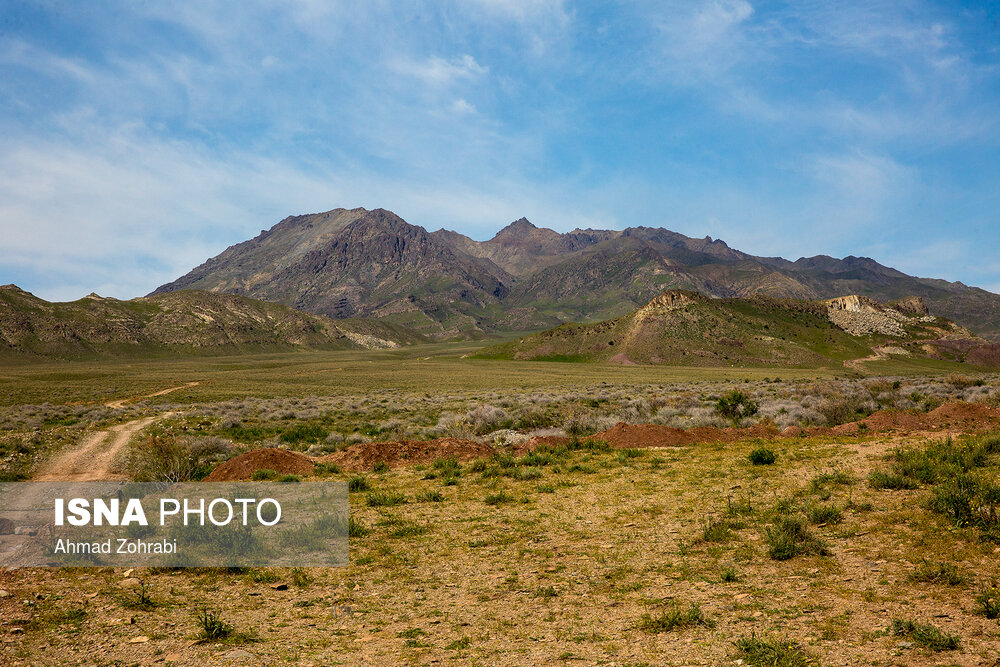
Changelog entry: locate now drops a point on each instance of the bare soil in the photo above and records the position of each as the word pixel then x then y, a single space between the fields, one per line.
pixel 92 459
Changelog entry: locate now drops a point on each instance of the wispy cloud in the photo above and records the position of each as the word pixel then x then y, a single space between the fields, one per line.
pixel 437 71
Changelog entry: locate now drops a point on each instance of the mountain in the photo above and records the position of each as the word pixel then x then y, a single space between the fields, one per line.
pixel 183 322
pixel 444 284
pixel 681 327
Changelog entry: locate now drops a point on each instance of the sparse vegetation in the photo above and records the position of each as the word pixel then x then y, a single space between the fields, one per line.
pixel 675 618
pixel 789 537
pixel 771 652
pixel 924 635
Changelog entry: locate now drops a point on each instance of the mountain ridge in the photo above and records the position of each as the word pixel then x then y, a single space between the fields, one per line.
pixel 684 327
pixel 179 322
pixel 356 262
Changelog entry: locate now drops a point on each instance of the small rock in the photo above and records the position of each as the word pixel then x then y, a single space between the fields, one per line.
pixel 4 594
pixel 280 587
pixel 6 527
pixel 16 631
pixel 172 657
pixel 904 644
pixel 127 573
pixel 25 530
pixel 141 639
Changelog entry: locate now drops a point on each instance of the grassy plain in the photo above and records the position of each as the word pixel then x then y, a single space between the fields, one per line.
pixel 578 554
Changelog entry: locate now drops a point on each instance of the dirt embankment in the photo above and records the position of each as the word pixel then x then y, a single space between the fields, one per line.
pixel 949 418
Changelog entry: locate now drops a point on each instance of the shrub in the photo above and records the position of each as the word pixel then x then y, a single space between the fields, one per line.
pixel 264 474
pixel 380 467
pixel 924 635
pixel 829 514
pixel 498 498
pixel 213 627
pixel 988 601
pixel 762 456
pixel 717 530
pixel 735 406
pixel 938 573
pixel 768 652
pixel 357 483
pixel 789 537
pixel 674 618
pixel 385 499
pixel 170 458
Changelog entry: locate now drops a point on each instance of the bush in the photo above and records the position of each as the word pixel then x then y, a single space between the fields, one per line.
pixel 170 458
pixel 767 652
pixel 385 499
pixel 790 537
pixel 762 456
pixel 938 573
pixel 988 601
pixel 924 635
pixel 213 627
pixel 829 514
pixel 674 618
pixel 735 406
pixel 357 484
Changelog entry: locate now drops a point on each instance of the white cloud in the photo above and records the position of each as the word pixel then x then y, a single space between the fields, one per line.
pixel 462 107
pixel 436 71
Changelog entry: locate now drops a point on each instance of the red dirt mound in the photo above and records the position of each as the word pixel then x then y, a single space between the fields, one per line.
pixel 364 456
pixel 244 465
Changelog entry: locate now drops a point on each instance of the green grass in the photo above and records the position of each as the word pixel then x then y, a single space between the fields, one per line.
pixel 924 635
pixel 771 652
pixel 416 368
pixel 789 537
pixel 675 618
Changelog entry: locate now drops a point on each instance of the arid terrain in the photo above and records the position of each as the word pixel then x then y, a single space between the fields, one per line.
pixel 534 513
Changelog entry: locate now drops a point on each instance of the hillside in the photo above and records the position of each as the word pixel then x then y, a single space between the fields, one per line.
pixel 443 284
pixel 175 323
pixel 682 327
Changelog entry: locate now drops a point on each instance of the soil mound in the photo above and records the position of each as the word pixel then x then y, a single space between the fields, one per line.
pixel 243 466
pixel 364 456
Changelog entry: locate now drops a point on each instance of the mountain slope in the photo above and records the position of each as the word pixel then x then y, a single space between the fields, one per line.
pixel 682 327
pixel 174 323
pixel 356 263
pixel 444 284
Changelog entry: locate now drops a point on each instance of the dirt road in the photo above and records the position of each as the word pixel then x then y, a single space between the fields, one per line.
pixel 120 403
pixel 878 354
pixel 91 460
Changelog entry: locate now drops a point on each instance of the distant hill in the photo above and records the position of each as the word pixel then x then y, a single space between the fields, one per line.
pixel 374 264
pixel 682 327
pixel 184 322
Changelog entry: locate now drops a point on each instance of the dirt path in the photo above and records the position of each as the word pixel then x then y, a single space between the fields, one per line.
pixel 857 364
pixel 120 403
pixel 91 460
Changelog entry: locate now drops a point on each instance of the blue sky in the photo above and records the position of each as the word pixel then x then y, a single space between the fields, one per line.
pixel 137 139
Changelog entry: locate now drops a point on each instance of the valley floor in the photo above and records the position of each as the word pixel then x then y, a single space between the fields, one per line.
pixel 578 552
